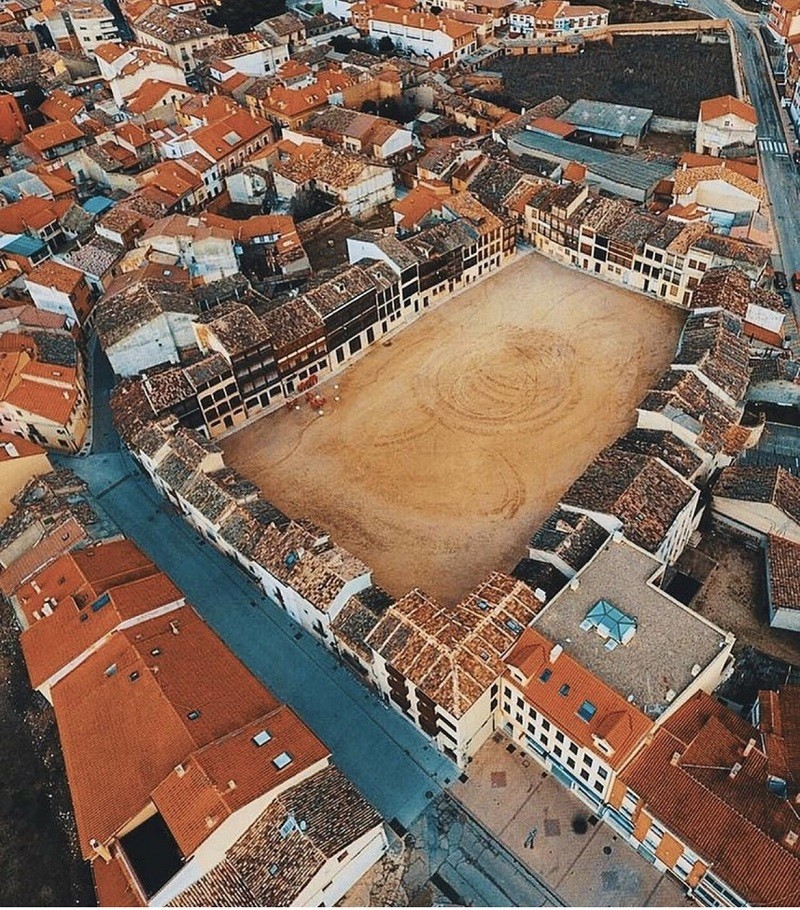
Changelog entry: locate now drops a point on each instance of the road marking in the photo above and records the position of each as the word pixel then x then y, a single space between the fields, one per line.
pixel 776 146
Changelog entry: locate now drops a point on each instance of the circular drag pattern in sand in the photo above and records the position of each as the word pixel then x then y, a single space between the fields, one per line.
pixel 513 390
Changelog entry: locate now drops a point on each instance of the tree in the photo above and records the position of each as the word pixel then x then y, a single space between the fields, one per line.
pixel 386 46
pixel 369 107
pixel 341 44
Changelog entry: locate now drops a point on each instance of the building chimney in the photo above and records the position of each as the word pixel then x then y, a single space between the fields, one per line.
pixel 735 770
pixel 749 747
pixel 103 851
pixel 676 757
pixel 555 653
pixel 790 839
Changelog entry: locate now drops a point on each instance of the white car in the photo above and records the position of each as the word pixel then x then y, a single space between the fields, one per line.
pixel 683 4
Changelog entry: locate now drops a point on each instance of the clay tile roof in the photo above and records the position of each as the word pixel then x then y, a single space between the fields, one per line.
pixel 65 535
pixel 334 815
pixel 52 274
pixel 171 674
pixel 50 402
pixel 783 572
pixel 59 106
pixel 112 885
pixel 751 483
pixel 736 824
pixel 713 343
pixel 615 721
pixel 686 180
pixel 83 619
pixel 712 108
pixel 113 563
pixel 641 491
pixel 52 135
pixel 453 654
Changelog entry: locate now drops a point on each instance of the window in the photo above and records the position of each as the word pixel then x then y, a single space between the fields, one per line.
pixel 282 760
pixel 602 773
pixel 573 748
pixel 193 715
pixel 598 786
pixel 559 736
pixel 545 674
pixel 564 690
pixel 587 760
pixel 584 774
pixel 587 711
pixel 545 724
pixel 262 737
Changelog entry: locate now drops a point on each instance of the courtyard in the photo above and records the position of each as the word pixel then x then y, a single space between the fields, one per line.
pixel 443 448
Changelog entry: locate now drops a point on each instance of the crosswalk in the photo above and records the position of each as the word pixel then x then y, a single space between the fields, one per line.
pixel 774 145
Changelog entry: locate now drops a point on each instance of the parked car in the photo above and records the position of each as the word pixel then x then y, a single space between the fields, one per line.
pixel 786 297
pixel 796 156
pixel 779 281
pixel 796 281
pixel 683 4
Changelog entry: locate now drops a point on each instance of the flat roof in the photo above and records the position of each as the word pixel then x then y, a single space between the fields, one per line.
pixel 669 639
pixel 623 169
pixel 608 119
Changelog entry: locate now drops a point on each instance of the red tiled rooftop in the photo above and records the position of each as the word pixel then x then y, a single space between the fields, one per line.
pixel 141 705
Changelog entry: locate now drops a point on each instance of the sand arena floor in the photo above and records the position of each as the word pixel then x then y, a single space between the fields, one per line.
pixel 450 444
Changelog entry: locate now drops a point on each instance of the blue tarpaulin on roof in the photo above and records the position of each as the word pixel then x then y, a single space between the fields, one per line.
pixel 97 205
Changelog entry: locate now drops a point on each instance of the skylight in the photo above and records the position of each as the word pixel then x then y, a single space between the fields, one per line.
pixel 564 690
pixel 545 674
pixel 282 760
pixel 587 711
pixel 262 737
pixel 100 603
pixel 610 623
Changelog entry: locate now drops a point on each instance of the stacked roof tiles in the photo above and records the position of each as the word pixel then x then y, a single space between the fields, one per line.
pixel 167 737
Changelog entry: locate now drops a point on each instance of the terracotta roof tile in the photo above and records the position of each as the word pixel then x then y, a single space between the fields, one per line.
pixel 569 684
pixel 735 823
pixel 712 108
pixel 123 734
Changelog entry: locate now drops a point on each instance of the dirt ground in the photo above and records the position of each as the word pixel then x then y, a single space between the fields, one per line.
pixel 670 74
pixel 453 441
pixel 734 597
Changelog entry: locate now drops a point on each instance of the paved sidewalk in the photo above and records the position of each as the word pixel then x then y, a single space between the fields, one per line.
pixel 578 856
